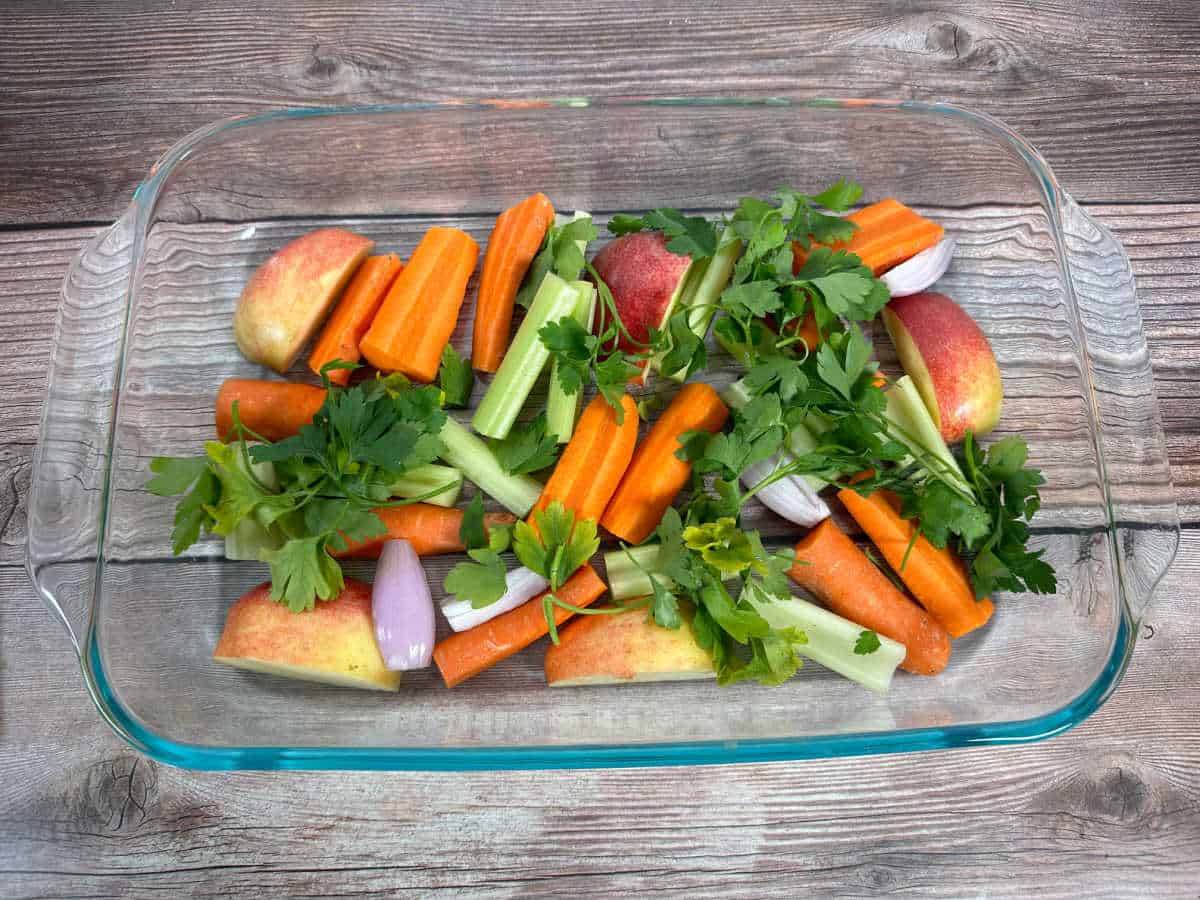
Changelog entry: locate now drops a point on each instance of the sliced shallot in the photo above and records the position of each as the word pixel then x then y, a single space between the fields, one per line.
pixel 792 497
pixel 402 608
pixel 521 586
pixel 920 272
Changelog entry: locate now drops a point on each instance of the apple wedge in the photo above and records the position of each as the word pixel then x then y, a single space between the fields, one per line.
pixel 622 648
pixel 646 280
pixel 950 361
pixel 332 643
pixel 288 296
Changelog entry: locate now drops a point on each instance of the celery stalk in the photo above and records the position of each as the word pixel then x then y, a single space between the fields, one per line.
pixel 706 279
pixel 526 358
pixel 420 481
pixel 250 538
pixel 471 456
pixel 831 641
pixel 915 428
pixel 627 577
pixel 562 408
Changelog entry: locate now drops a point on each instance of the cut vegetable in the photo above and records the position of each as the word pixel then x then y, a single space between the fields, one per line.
pixel 402 609
pixel 832 640
pixel 706 279
pixel 521 586
pixel 562 408
pixel 470 455
pixel 418 482
pixel 888 234
pixel 250 538
pixel 432 530
pixel 514 242
pixel 594 460
pixel 915 428
pixel 421 308
pixel 271 409
pixel 629 571
pixel 353 315
pixel 919 273
pixel 656 475
pixel 935 577
pixel 464 655
pixel 830 566
pixel 525 359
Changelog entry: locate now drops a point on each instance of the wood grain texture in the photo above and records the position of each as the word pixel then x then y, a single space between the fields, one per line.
pixel 123 88
pixel 92 93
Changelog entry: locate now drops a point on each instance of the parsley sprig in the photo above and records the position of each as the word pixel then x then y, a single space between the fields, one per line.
pixel 329 479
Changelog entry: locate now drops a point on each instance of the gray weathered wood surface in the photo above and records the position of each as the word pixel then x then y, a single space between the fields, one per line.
pixel 90 94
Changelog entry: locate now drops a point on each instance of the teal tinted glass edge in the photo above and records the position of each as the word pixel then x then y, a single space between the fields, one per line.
pixel 197 756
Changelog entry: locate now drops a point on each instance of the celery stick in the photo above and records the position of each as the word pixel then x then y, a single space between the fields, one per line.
pixel 915 428
pixel 627 577
pixel 471 456
pixel 250 538
pixel 526 358
pixel 831 641
pixel 706 279
pixel 562 408
pixel 420 481
pixel 830 638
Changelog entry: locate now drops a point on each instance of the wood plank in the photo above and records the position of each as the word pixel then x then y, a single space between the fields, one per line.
pixel 1111 809
pixel 124 88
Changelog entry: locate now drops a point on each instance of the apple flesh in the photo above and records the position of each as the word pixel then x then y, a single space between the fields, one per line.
pixel 288 296
pixel 625 647
pixel 332 643
pixel 645 279
pixel 950 361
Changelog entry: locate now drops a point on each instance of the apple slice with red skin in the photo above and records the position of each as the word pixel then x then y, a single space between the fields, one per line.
pixel 334 642
pixel 949 359
pixel 289 295
pixel 625 647
pixel 645 279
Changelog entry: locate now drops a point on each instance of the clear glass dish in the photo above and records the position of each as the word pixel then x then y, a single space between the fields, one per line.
pixel 144 339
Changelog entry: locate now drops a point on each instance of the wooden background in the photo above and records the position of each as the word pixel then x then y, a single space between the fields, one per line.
pixel 92 93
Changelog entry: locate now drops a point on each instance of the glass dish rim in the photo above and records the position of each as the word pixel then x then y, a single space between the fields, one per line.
pixel 199 756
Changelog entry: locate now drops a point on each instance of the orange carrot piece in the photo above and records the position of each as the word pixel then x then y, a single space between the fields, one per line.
pixel 656 475
pixel 274 409
pixel 515 241
pixel 419 313
pixel 888 234
pixel 467 653
pixel 432 530
pixel 353 314
pixel 594 460
pixel 935 577
pixel 830 566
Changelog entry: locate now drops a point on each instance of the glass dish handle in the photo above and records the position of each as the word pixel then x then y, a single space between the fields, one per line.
pixel 67 494
pixel 1141 495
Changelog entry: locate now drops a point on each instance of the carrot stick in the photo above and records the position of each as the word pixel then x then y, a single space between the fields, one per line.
pixel 273 409
pixel 935 577
pixel 432 530
pixel 830 565
pixel 888 234
pixel 467 653
pixel 515 241
pixel 420 311
pixel 594 460
pixel 656 475
pixel 353 314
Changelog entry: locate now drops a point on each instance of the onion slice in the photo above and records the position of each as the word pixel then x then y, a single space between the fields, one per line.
pixel 521 586
pixel 920 272
pixel 792 497
pixel 402 608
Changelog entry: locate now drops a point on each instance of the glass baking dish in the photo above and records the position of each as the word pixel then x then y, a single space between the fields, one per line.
pixel 143 340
